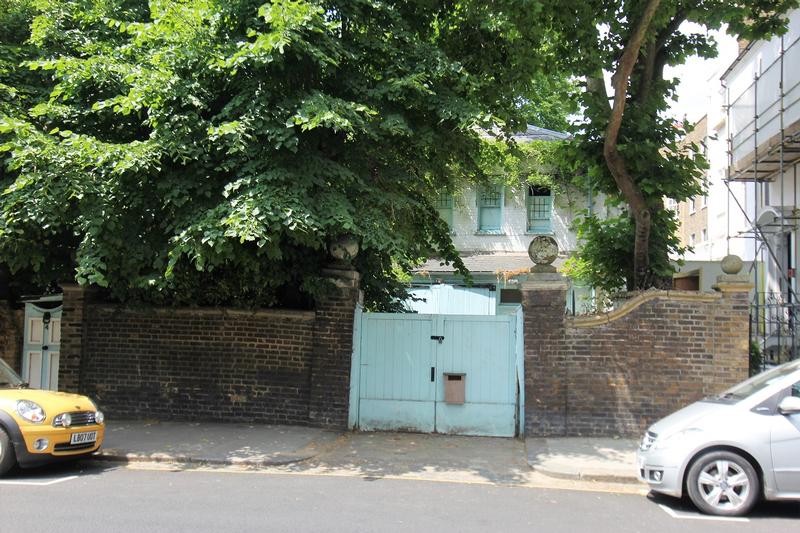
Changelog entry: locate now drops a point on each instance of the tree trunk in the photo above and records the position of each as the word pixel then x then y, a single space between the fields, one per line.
pixel 616 163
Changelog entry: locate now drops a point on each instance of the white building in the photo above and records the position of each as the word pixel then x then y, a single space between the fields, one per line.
pixel 492 228
pixel 762 94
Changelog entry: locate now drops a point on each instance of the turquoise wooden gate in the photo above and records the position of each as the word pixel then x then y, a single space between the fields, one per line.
pixel 399 366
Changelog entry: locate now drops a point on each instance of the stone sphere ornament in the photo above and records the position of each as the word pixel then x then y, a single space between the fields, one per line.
pixel 344 249
pixel 732 264
pixel 543 250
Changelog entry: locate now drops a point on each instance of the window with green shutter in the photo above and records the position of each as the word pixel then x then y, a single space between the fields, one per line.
pixel 444 205
pixel 540 209
pixel 490 209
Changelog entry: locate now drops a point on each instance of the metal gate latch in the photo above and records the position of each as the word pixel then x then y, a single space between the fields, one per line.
pixel 439 338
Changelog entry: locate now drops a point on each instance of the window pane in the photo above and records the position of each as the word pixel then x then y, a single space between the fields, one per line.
pixel 443 201
pixel 490 197
pixel 540 210
pixel 490 210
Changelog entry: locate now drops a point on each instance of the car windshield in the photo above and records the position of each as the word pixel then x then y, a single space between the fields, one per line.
pixel 8 378
pixel 759 382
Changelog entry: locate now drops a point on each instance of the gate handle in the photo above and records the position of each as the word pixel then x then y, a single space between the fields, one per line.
pixel 433 373
pixel 45 347
pixel 439 338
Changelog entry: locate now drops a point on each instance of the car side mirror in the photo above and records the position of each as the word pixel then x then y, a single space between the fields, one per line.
pixel 789 405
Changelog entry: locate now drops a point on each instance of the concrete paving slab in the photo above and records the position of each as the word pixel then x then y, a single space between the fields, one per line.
pixel 591 459
pixel 376 455
pixel 212 443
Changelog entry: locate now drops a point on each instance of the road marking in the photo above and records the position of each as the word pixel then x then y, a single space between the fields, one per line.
pixel 693 516
pixel 39 483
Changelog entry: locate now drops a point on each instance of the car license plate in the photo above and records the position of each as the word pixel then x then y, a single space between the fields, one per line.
pixel 83 438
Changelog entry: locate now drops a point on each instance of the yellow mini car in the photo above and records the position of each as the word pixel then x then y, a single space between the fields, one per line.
pixel 40 426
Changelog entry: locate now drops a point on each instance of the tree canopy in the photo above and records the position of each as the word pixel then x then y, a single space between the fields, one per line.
pixel 206 151
pixel 626 146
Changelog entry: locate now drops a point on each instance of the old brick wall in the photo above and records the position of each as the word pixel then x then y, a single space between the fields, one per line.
pixel 333 351
pixel 615 374
pixel 189 364
pixel 11 335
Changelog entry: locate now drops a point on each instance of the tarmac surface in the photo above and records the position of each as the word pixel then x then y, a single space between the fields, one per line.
pixel 610 463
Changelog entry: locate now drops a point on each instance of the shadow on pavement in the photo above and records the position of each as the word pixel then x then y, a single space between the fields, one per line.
pixel 376 455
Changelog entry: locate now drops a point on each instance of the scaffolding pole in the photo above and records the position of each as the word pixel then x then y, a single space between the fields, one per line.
pixel 774 307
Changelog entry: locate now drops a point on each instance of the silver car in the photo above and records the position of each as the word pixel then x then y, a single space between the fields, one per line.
pixel 728 451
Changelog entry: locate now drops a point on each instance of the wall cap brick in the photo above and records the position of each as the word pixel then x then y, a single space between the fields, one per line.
pixel 637 301
pixel 733 283
pixel 210 311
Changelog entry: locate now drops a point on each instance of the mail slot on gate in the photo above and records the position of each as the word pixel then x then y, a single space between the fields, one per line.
pixel 454 387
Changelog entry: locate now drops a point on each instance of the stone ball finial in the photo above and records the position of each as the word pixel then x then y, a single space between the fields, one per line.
pixel 344 248
pixel 732 264
pixel 543 250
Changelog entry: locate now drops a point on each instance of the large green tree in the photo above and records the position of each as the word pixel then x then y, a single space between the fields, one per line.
pixel 627 146
pixel 206 151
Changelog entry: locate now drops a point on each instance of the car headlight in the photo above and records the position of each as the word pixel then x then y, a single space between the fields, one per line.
pixel 676 439
pixel 31 411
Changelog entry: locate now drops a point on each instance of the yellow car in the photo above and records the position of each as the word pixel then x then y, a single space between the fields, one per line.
pixel 40 426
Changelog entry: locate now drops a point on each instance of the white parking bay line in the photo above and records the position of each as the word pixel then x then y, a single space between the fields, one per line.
pixel 39 483
pixel 686 516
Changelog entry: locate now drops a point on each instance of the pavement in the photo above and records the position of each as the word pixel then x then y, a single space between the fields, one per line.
pixel 374 455
pixel 255 445
pixel 590 459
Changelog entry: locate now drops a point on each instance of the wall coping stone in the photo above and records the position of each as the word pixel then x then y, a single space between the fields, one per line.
pixel 637 301
pixel 547 281
pixel 210 311
pixel 733 283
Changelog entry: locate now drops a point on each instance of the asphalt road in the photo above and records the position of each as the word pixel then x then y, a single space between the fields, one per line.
pixel 94 497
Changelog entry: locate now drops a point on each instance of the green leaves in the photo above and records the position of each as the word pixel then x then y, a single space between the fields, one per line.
pixel 591 37
pixel 206 151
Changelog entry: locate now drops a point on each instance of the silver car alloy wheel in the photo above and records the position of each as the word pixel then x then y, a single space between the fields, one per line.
pixel 724 485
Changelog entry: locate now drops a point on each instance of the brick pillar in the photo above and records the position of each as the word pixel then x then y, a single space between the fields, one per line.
pixel 333 350
pixel 72 333
pixel 732 333
pixel 544 297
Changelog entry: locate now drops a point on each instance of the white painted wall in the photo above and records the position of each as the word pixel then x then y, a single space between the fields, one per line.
pixel 515 237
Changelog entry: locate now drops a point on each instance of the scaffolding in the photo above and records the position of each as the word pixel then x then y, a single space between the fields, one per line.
pixel 763 148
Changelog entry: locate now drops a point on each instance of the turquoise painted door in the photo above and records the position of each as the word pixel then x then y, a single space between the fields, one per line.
pixel 451 300
pixel 403 359
pixel 482 348
pixel 396 391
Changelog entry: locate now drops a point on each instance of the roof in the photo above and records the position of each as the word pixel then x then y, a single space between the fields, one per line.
pixel 532 133
pixel 535 133
pixel 482 262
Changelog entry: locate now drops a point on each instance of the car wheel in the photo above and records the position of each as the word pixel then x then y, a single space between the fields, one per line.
pixel 723 483
pixel 8 459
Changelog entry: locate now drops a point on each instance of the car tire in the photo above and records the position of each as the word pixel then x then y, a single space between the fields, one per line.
pixel 723 483
pixel 8 458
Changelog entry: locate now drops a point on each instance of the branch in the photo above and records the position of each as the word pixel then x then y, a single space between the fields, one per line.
pixel 616 163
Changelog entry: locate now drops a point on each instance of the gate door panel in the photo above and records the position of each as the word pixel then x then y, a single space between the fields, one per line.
pixel 395 390
pixel 481 348
pixel 41 347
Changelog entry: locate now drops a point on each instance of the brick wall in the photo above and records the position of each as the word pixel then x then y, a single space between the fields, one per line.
pixel 11 335
pixel 199 364
pixel 333 351
pixel 615 374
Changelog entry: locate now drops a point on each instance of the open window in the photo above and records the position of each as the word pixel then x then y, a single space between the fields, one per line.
pixel 540 209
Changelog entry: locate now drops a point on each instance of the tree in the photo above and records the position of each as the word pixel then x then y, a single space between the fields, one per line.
pixel 630 150
pixel 206 151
